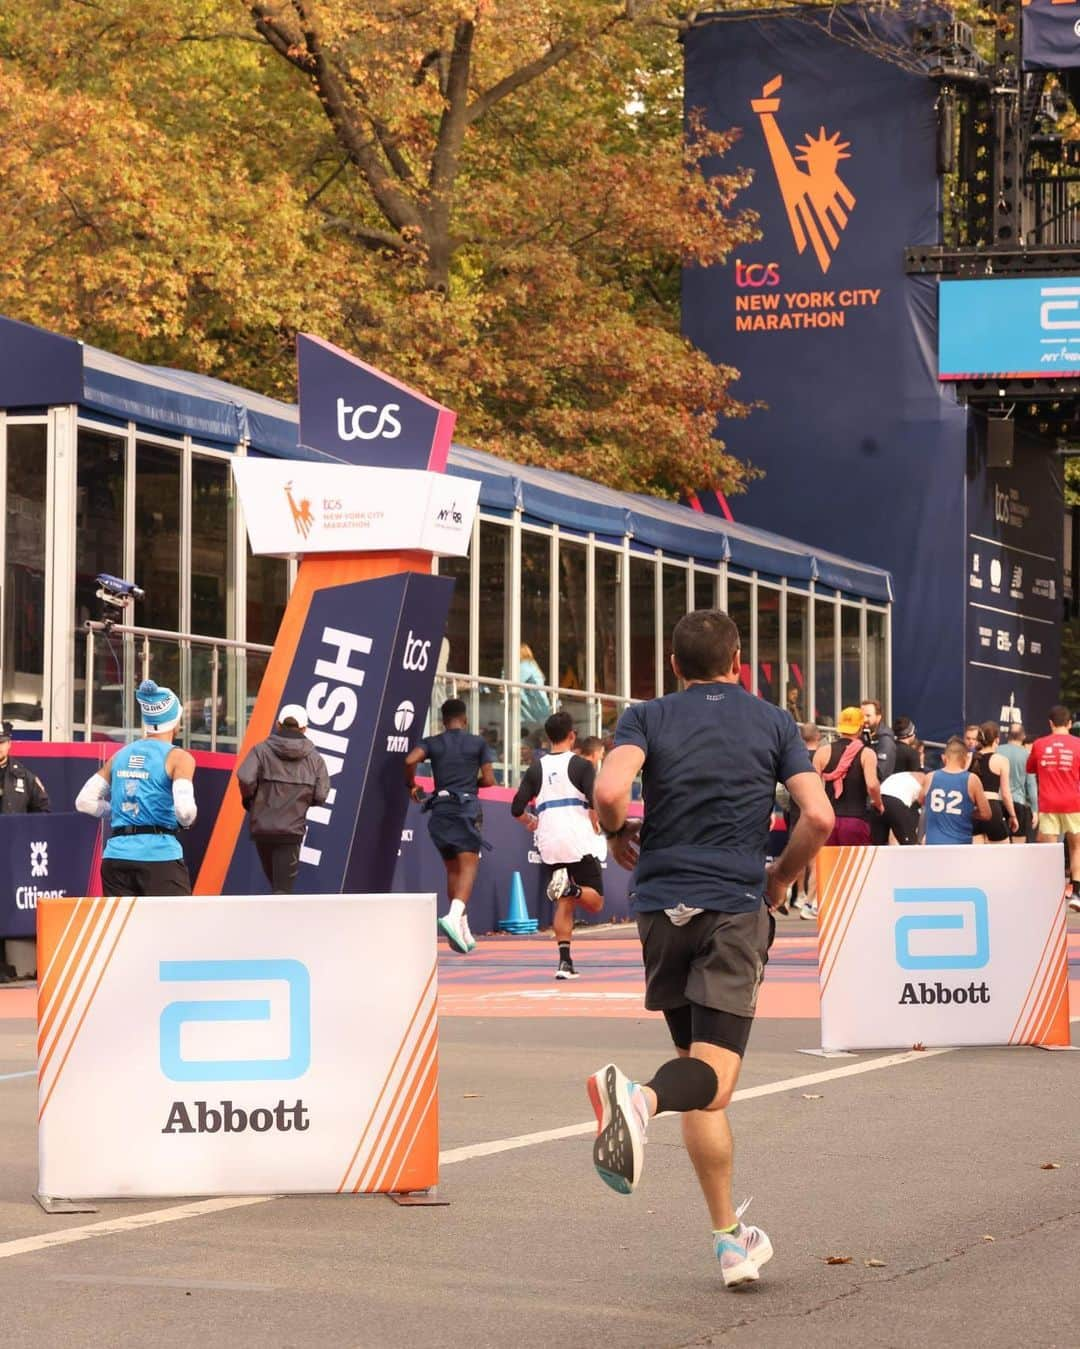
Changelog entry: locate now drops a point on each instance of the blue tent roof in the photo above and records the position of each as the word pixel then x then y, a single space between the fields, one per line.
pixel 39 368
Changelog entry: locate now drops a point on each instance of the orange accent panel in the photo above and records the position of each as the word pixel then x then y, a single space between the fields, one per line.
pixel 420 1168
pixel 1056 970
pixel 414 1108
pixel 95 932
pixel 316 573
pixel 849 915
pixel 1058 986
pixel 834 899
pixel 1047 960
pixel 59 924
pixel 390 1129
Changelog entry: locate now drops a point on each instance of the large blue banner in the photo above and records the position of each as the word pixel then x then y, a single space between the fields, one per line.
pixel 1050 34
pixel 43 856
pixel 1009 326
pixel 863 451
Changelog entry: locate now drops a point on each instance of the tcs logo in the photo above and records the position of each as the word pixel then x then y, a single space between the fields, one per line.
pixel 756 274
pixel 417 653
pixel 291 973
pixel 969 915
pixel 356 423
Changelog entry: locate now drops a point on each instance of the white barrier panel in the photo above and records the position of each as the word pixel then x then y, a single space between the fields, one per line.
pixel 942 946
pixel 240 1045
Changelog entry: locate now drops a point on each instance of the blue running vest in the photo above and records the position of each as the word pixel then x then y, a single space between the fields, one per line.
pixel 949 810
pixel 142 794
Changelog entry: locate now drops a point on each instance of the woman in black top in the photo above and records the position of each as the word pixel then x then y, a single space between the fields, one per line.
pixel 992 770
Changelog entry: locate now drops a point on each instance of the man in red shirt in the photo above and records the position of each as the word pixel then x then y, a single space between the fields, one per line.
pixel 1055 761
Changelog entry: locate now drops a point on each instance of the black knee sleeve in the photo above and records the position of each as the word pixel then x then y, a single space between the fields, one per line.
pixel 684 1084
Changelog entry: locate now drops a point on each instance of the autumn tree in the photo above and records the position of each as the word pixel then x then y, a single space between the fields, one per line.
pixel 491 200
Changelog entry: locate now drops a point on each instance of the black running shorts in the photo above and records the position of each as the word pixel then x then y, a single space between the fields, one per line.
pixel 454 827
pixel 715 960
pixel 586 872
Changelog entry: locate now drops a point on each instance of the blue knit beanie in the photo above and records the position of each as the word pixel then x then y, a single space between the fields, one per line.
pixel 160 707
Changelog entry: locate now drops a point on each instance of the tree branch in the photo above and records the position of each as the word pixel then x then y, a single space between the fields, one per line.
pixel 366 235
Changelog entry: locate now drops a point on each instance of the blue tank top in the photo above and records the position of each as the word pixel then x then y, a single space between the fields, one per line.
pixel 142 794
pixel 948 809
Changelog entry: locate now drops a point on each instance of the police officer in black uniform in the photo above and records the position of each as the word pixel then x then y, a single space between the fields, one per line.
pixel 21 790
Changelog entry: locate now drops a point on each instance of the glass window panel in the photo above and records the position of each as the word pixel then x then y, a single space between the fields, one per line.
pixel 608 620
pixel 157 535
pixel 768 643
pixel 24 577
pixel 99 546
pixel 798 607
pixel 705 589
pixel 211 546
pixel 850 665
pixel 493 616
pixel 824 662
pixel 267 595
pixel 876 659
pixel 642 628
pixel 535 655
pixel 573 615
pixel 674 593
pixel 457 625
pixel 739 610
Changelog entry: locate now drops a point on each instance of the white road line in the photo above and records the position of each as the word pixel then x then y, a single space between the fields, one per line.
pixel 199 1209
pixel 746 1094
pixel 10 1077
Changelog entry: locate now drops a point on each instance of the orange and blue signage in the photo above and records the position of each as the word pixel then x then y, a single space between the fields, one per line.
pixel 1025 326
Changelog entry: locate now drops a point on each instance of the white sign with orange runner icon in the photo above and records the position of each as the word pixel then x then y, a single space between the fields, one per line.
pixel 942 946
pixel 240 1045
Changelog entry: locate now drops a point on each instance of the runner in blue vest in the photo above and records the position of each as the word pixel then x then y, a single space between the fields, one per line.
pixel 146 788
pixel 953 798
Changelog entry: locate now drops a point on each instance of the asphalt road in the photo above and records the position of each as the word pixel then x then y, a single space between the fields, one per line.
pixel 916 1165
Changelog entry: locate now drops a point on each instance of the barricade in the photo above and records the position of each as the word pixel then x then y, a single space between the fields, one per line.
pixel 942 946
pixel 240 1045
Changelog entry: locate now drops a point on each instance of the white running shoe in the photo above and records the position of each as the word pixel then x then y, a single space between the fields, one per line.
pixel 743 1252
pixel 559 884
pixel 622 1117
pixel 809 912
pixel 1074 902
pixel 450 927
pixel 466 932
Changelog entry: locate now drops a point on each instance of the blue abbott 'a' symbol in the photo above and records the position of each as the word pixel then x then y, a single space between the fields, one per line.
pixel 966 902
pixel 176 1014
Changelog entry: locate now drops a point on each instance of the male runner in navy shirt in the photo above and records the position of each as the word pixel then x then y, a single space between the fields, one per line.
pixel 710 758
pixel 459 763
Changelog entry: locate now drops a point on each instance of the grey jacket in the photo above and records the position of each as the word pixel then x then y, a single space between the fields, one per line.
pixel 280 779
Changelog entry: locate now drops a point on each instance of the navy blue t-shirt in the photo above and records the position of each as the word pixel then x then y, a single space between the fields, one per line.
pixel 713 756
pixel 456 758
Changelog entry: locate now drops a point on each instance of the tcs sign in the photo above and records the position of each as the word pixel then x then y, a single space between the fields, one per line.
pixel 756 274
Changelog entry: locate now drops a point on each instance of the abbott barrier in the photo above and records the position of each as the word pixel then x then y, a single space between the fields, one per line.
pixel 231 1046
pixel 942 946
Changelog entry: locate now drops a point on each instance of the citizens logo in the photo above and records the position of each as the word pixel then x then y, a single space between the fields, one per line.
pixel 39 859
pixel 816 198
pixel 302 514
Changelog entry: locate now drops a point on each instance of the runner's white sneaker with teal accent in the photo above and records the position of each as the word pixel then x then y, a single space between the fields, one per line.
pixel 466 932
pixel 622 1118
pixel 559 884
pixel 743 1252
pixel 450 927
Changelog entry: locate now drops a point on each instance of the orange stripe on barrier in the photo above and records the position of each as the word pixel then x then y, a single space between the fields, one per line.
pixel 842 908
pixel 1056 970
pixel 421 1167
pixel 54 919
pixel 316 573
pixel 1058 987
pixel 852 909
pixel 1057 1030
pixel 1051 954
pixel 58 966
pixel 414 1106
pixel 74 975
pixel 842 863
pixel 399 1102
pixel 389 1078
pixel 89 1002
pixel 1025 1006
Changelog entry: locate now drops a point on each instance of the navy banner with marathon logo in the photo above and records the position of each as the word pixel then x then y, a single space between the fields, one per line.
pixel 1050 34
pixel 363 665
pixel 863 451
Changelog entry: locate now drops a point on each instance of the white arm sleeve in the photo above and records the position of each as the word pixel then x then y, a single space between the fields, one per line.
pixel 183 795
pixel 93 797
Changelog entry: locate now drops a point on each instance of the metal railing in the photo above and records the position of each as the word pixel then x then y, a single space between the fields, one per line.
pixel 139 647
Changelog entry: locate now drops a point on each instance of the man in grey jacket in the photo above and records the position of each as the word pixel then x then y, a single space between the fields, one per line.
pixel 281 778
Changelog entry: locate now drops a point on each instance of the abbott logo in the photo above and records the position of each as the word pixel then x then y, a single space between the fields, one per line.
pixel 177 1015
pixel 351 421
pixel 970 915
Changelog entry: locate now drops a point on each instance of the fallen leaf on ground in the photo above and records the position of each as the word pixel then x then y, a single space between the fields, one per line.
pixel 472 1096
pixel 987 1237
pixel 811 1096
pixel 1050 1166
pixel 874 1264
pixel 838 1259
pixel 918 1047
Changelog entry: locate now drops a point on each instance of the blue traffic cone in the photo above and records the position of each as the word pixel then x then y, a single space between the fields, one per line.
pixel 517 919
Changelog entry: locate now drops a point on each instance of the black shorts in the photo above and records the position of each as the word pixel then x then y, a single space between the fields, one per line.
pixel 586 872
pixel 121 877
pixel 454 827
pixel 716 961
pixel 996 828
pixel 1023 820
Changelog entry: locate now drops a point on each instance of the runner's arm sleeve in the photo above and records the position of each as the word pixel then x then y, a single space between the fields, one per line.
pixel 39 797
pixel 528 787
pixel 93 797
pixel 583 775
pixel 183 795
pixel 630 729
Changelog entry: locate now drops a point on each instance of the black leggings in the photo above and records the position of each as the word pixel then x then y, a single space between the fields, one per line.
pixel 900 820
